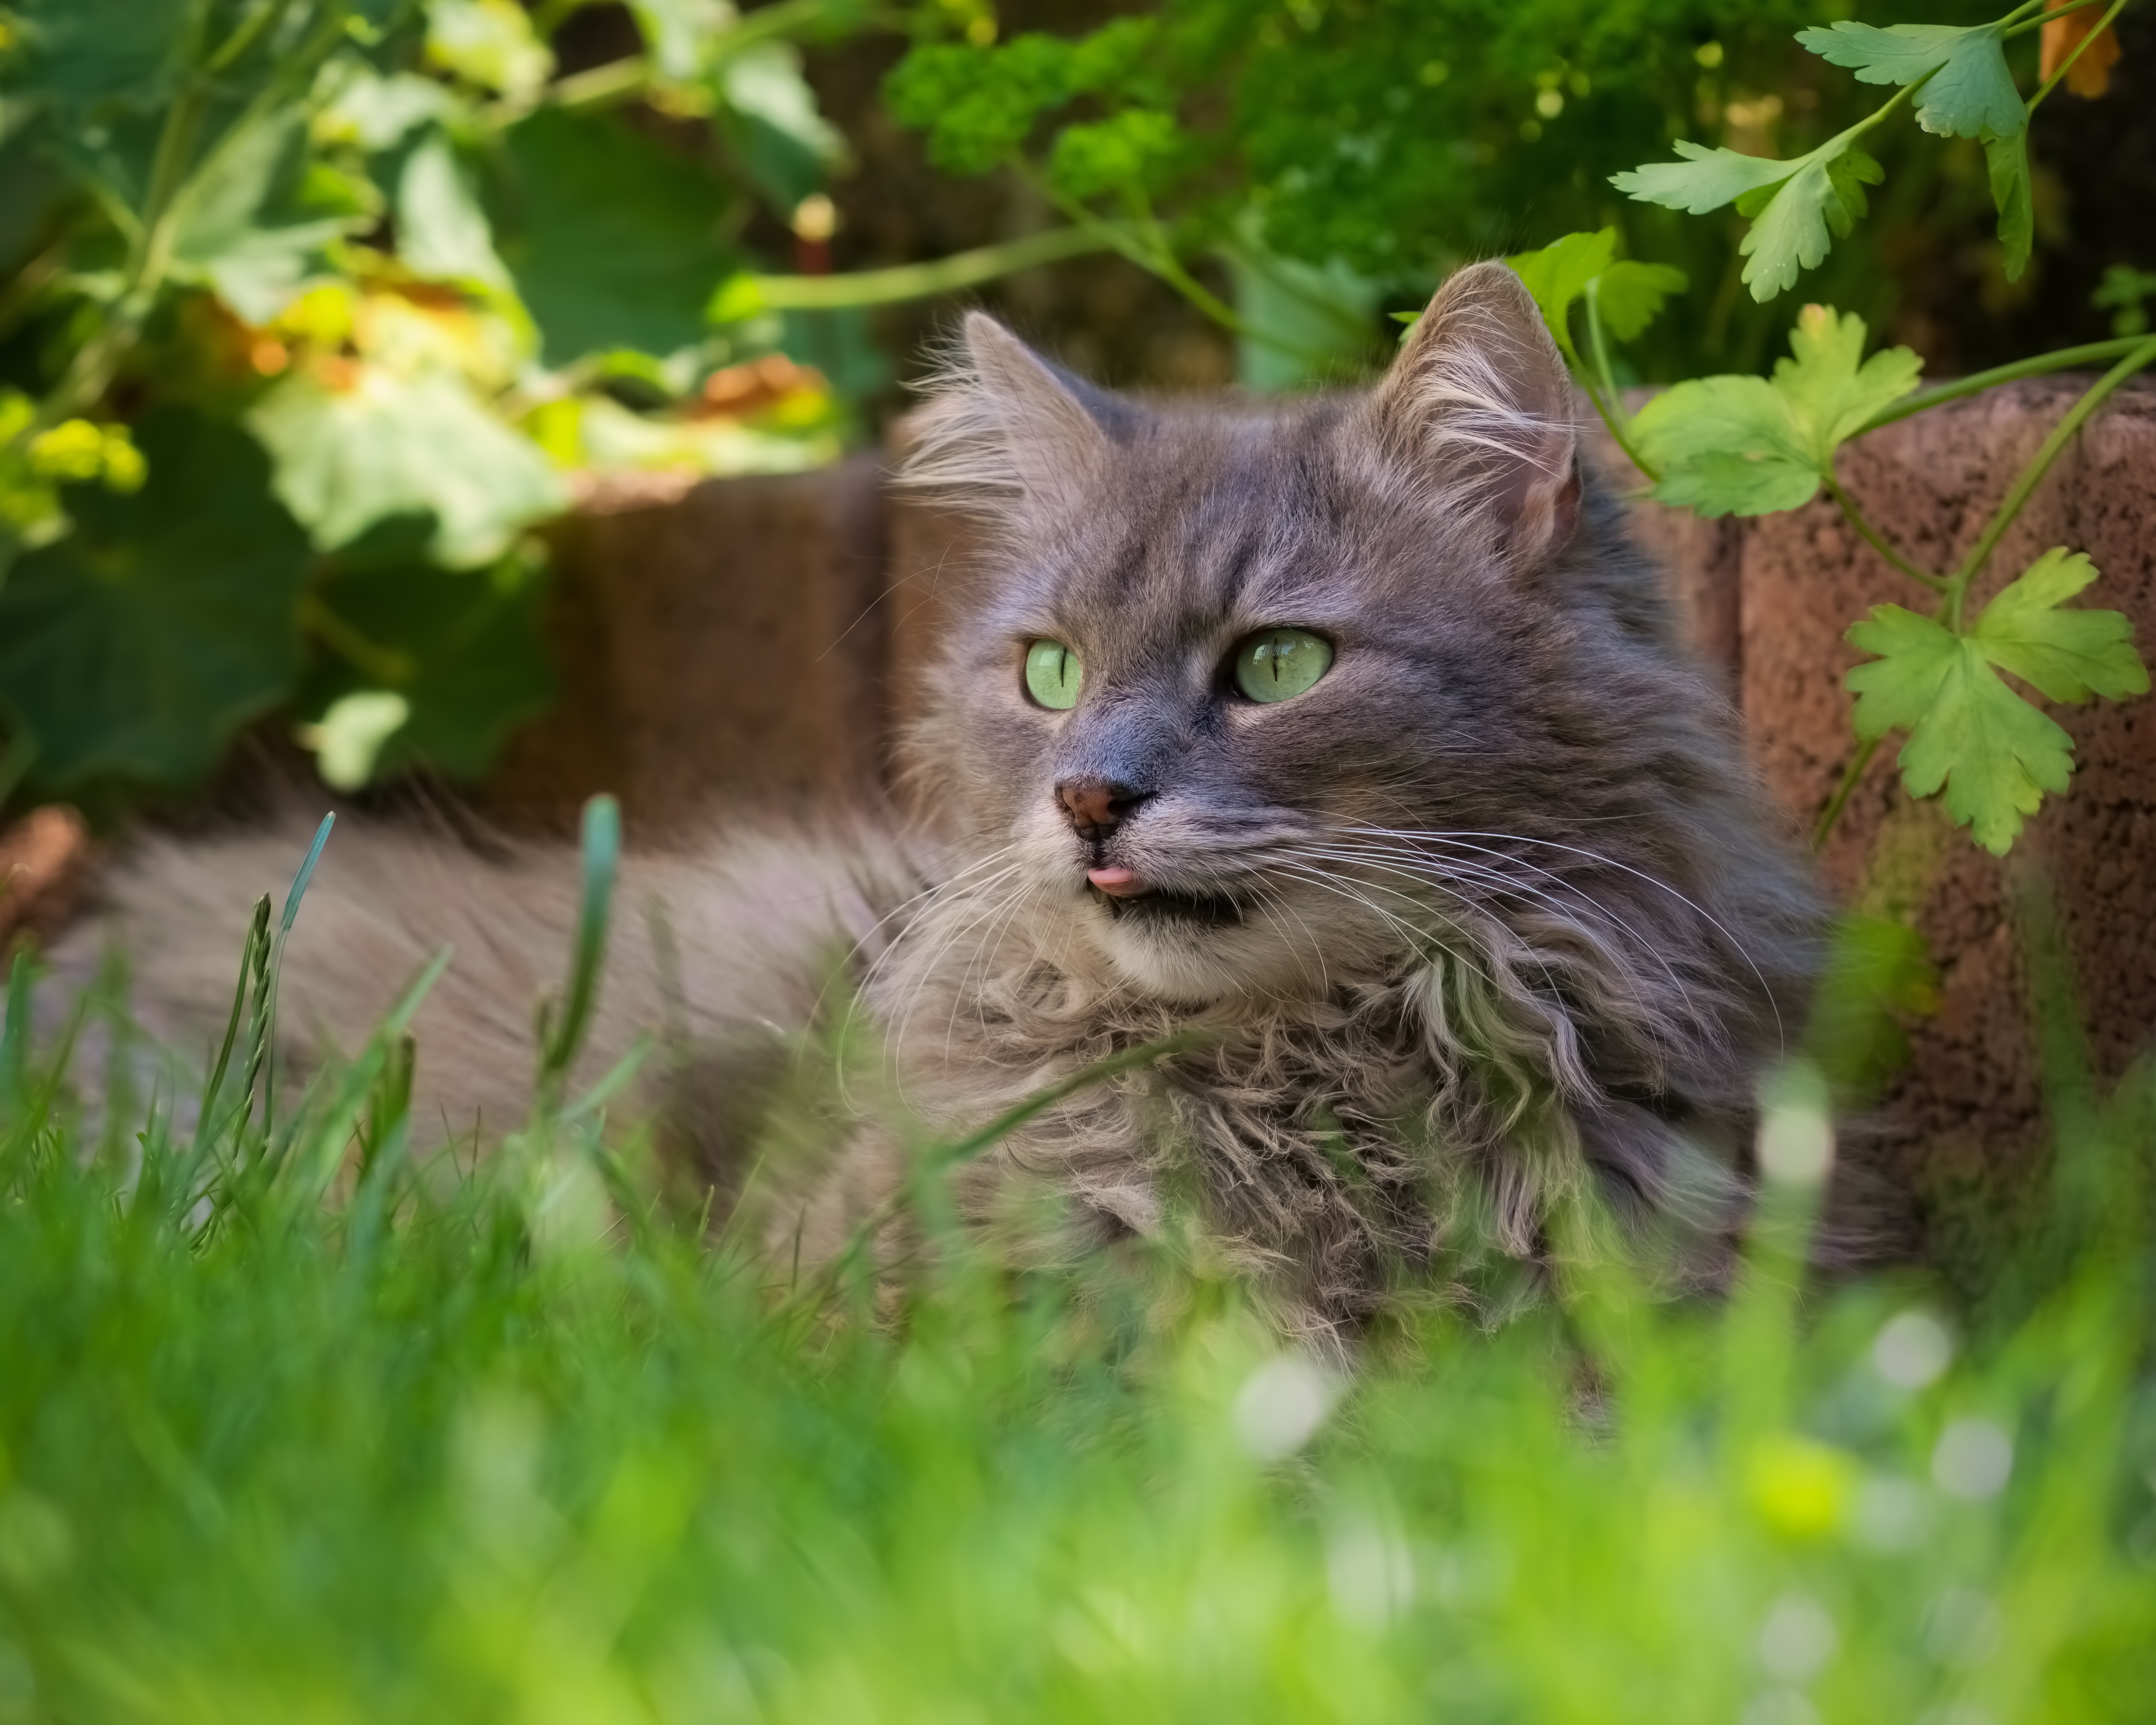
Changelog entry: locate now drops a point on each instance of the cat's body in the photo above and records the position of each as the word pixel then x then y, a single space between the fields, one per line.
pixel 1488 912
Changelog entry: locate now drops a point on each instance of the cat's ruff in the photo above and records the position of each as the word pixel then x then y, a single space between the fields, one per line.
pixel 1490 912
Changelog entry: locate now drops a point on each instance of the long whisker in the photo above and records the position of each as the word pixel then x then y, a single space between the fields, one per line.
pixel 1698 909
pixel 977 905
pixel 1413 933
pixel 933 889
pixel 1426 866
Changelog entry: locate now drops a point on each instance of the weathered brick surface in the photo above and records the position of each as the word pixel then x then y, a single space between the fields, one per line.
pixel 721 648
pixel 1969 1104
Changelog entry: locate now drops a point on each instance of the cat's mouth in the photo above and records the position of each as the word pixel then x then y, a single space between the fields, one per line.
pixel 1158 905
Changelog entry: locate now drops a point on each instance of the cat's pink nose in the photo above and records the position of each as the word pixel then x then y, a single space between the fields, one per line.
pixel 1096 806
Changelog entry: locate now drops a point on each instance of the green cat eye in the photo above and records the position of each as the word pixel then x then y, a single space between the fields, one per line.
pixel 1280 664
pixel 1052 674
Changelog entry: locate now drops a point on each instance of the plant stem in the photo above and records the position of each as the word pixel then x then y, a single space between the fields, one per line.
pixel 919 281
pixel 1877 540
pixel 625 80
pixel 1613 416
pixel 2038 22
pixel 601 86
pixel 2059 359
pixel 2080 48
pixel 1839 800
pixel 2032 476
pixel 247 33
pixel 1154 255
pixel 90 371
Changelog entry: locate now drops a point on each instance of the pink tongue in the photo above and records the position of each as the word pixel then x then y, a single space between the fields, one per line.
pixel 1119 883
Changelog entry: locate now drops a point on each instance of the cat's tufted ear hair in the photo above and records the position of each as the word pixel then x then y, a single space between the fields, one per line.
pixel 1004 431
pixel 1480 401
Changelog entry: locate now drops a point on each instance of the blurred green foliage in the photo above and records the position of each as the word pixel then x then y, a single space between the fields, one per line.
pixel 308 311
pixel 1397 138
pixel 297 1423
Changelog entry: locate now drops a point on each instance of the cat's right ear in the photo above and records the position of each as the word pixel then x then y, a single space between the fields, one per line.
pixel 1005 434
pixel 1479 402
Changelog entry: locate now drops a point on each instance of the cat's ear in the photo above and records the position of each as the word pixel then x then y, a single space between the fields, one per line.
pixel 1004 431
pixel 1479 400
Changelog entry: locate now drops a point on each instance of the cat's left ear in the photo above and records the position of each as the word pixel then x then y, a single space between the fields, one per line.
pixel 1481 401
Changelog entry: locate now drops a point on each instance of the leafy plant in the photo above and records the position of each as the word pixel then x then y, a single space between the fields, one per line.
pixel 1384 142
pixel 1750 445
pixel 312 309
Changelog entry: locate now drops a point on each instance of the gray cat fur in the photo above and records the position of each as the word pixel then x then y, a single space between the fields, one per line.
pixel 1511 919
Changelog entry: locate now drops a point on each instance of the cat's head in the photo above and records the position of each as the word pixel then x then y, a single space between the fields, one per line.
pixel 1215 655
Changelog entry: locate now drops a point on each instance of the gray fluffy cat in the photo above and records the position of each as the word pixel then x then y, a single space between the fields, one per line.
pixel 1350 733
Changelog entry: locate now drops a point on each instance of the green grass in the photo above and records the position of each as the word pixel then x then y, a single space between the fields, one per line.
pixel 294 1427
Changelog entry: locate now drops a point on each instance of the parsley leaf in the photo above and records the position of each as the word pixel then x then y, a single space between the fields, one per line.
pixel 2068 655
pixel 1727 446
pixel 1993 754
pixel 1830 391
pixel 1795 205
pixel 1705 180
pixel 1739 445
pixel 1628 295
pixel 1558 274
pixel 2007 160
pixel 1967 91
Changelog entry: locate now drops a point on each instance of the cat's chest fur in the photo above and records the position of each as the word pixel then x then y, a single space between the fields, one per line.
pixel 1326 1144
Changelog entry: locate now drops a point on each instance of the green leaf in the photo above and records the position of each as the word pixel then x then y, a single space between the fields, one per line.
pixel 1797 207
pixel 463 650
pixel 1993 753
pixel 1298 322
pixel 1557 273
pixel 1749 445
pixel 253 219
pixel 1705 180
pixel 135 647
pixel 85 52
pixel 1630 296
pixel 490 44
pixel 2007 160
pixel 1790 232
pixel 351 458
pixel 614 240
pixel 1967 91
pixel 787 146
pixel 1727 446
pixel 1627 295
pixel 1136 149
pixel 979 104
pixel 2070 655
pixel 376 112
pixel 442 231
pixel 1831 394
pixel 679 35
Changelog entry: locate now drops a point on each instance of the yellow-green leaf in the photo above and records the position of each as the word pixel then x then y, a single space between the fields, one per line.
pixel 2070 655
pixel 1739 445
pixel 1993 754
